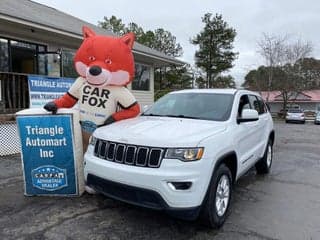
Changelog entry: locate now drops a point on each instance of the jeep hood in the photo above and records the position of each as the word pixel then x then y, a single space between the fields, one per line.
pixel 160 131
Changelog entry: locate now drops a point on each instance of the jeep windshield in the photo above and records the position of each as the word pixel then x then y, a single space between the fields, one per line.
pixel 205 106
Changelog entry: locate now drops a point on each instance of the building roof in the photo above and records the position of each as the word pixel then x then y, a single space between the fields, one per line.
pixel 31 13
pixel 303 96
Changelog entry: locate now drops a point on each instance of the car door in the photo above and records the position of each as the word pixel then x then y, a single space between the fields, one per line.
pixel 262 124
pixel 247 135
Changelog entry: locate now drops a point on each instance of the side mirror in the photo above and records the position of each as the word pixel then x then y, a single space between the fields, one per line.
pixel 248 115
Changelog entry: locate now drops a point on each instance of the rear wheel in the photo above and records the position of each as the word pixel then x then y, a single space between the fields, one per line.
pixel 216 205
pixel 264 164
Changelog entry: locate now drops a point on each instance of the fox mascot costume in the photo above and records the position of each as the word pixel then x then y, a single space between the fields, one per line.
pixel 106 66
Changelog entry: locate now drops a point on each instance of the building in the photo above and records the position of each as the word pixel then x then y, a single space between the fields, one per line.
pixel 305 100
pixel 37 39
pixel 40 40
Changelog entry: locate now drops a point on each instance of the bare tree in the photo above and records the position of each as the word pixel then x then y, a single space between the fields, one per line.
pixel 296 51
pixel 293 84
pixel 280 52
pixel 272 48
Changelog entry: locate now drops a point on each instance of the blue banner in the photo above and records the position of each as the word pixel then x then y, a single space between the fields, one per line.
pixel 47 154
pixel 43 89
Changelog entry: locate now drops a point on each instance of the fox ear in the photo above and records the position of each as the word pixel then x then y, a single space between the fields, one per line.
pixel 128 39
pixel 87 32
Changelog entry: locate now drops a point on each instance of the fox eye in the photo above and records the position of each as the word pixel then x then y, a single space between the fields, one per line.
pixel 92 58
pixel 108 61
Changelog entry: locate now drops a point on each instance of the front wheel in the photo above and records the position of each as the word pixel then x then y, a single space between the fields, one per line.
pixel 218 198
pixel 264 164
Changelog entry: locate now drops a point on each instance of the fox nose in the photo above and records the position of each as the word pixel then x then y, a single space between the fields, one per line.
pixel 95 70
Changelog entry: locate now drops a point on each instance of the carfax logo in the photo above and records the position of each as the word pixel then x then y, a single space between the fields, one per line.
pixel 49 178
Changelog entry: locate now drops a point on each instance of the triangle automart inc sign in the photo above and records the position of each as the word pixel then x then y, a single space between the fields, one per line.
pixel 43 89
pixel 47 146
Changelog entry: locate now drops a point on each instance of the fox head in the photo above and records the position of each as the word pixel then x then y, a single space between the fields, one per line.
pixel 104 60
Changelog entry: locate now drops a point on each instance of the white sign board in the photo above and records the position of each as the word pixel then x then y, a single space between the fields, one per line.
pixel 43 89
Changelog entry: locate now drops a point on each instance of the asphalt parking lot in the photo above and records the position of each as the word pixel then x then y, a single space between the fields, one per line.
pixel 283 205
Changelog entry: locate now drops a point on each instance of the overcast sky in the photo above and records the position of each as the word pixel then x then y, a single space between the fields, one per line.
pixel 250 18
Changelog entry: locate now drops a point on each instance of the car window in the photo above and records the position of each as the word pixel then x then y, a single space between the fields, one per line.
pixel 243 104
pixel 262 105
pixel 206 106
pixel 254 102
pixel 295 111
pixel 257 104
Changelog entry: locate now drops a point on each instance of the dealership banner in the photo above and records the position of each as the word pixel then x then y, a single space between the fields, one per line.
pixel 48 159
pixel 43 89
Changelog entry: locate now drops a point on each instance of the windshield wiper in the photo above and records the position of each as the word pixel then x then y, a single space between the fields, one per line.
pixel 154 115
pixel 180 116
pixel 169 115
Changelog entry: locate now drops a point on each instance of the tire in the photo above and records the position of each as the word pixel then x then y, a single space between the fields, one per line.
pixel 263 166
pixel 221 181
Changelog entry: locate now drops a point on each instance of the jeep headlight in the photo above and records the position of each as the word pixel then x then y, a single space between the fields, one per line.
pixel 92 140
pixel 185 154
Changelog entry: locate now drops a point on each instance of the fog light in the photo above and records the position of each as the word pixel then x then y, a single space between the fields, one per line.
pixel 180 185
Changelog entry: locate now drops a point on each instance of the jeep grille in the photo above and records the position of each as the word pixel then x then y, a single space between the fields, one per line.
pixel 141 156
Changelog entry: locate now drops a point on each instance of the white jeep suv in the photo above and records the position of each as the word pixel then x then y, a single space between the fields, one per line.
pixel 183 154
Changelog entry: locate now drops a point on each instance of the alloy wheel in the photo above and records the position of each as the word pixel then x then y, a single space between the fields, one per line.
pixel 222 195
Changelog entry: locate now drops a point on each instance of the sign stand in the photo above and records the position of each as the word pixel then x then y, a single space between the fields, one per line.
pixel 51 151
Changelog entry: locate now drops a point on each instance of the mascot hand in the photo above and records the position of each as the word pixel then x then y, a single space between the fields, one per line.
pixel 51 107
pixel 108 121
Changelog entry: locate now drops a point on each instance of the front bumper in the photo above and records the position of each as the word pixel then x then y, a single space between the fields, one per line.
pixel 295 119
pixel 150 187
pixel 139 196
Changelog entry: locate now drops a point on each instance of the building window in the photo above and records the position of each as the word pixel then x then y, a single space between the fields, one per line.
pixel 141 80
pixel 4 55
pixel 24 45
pixel 42 64
pixel 54 65
pixel 23 57
pixel 20 57
pixel 68 69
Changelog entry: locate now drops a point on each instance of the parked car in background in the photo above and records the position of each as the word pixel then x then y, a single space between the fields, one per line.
pixel 317 118
pixel 184 153
pixel 310 114
pixel 295 115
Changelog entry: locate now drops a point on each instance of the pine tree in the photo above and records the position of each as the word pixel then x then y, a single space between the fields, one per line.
pixel 215 43
pixel 113 24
